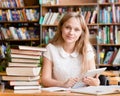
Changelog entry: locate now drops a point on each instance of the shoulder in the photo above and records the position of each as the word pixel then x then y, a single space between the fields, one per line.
pixel 51 46
pixel 89 47
pixel 90 52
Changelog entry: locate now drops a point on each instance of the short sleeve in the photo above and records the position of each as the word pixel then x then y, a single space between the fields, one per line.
pixel 47 54
pixel 90 52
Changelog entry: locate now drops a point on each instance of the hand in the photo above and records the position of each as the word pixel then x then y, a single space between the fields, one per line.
pixel 92 81
pixel 70 82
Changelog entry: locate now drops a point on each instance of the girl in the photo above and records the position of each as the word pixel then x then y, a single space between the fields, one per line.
pixel 69 54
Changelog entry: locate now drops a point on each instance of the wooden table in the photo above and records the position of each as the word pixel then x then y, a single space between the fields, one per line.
pixel 43 93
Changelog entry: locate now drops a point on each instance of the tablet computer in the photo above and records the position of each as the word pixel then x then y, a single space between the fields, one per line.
pixel 89 73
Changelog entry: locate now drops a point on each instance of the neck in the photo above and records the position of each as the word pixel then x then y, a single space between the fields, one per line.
pixel 69 48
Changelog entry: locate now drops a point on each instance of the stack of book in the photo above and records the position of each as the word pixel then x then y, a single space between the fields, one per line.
pixel 23 72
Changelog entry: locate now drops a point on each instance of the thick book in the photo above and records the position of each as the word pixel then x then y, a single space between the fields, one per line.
pixel 24 87
pixel 23 71
pixel 28 91
pixel 19 64
pixel 32 48
pixel 36 82
pixel 24 60
pixel 24 56
pixel 27 52
pixel 21 78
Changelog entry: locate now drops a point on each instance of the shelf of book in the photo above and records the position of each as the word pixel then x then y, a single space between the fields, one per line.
pixel 23 17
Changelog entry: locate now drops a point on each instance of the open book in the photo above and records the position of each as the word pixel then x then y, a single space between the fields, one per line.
pixel 97 90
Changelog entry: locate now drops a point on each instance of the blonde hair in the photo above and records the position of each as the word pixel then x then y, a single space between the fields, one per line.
pixel 81 43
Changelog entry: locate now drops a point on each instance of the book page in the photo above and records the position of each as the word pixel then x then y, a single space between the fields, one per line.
pixel 53 89
pixel 97 90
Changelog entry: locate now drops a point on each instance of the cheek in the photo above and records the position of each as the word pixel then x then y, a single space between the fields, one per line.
pixel 64 32
pixel 78 35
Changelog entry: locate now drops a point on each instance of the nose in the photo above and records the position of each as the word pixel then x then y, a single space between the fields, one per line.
pixel 71 31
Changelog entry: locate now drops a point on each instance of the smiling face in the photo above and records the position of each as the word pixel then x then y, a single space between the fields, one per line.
pixel 71 30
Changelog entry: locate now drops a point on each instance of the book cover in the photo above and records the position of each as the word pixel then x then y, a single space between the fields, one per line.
pixel 28 91
pixel 117 58
pixel 110 61
pixel 18 83
pixel 24 87
pixel 21 78
pixel 107 57
pixel 24 56
pixel 32 48
pixel 24 60
pixel 23 71
pixel 22 64
pixel 27 52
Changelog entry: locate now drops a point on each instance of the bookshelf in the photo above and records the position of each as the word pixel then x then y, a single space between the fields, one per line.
pixel 19 25
pixel 95 27
pixel 19 22
pixel 108 20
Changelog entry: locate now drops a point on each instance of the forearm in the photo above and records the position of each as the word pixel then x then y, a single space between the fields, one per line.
pixel 52 83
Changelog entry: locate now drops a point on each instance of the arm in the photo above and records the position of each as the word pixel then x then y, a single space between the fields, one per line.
pixel 92 81
pixel 47 79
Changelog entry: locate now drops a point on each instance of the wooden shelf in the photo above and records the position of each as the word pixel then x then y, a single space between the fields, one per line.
pixel 109 65
pixel 70 5
pixel 19 21
pixel 108 45
pixel 31 7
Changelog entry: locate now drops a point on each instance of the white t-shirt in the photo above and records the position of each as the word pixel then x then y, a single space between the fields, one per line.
pixel 65 65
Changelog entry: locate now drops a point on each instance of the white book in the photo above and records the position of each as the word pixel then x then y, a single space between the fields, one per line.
pixel 23 71
pixel 54 17
pixel 23 36
pixel 22 64
pixel 45 18
pixel 94 15
pixel 49 18
pixel 22 78
pixel 24 56
pixel 24 60
pixel 28 91
pixel 13 32
pixel 32 48
pixel 12 83
pixel 4 31
pixel 27 52
pixel 117 58
pixel 17 87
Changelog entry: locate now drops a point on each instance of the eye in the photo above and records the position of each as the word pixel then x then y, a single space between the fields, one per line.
pixel 68 27
pixel 77 29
